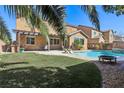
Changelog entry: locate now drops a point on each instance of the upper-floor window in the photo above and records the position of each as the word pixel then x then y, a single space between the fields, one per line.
pixel 94 33
pixel 100 34
pixel 30 40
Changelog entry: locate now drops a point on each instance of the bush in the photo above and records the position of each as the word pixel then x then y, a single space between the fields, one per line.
pixel 105 46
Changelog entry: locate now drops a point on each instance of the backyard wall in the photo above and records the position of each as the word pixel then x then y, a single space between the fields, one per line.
pixel 118 44
pixel 2 46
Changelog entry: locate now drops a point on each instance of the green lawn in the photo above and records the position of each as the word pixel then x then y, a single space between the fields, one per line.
pixel 35 70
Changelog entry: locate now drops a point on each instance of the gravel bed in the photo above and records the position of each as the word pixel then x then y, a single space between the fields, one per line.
pixel 112 74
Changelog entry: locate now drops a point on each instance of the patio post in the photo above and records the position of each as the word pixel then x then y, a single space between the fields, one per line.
pixel 18 41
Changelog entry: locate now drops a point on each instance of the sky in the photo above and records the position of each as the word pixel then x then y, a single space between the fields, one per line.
pixel 75 16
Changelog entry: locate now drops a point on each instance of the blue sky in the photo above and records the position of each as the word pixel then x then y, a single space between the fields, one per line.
pixel 75 16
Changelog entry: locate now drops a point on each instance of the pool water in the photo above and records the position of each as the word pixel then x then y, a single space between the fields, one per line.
pixel 93 54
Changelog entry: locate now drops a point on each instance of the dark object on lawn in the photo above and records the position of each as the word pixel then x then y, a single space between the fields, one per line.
pixel 107 58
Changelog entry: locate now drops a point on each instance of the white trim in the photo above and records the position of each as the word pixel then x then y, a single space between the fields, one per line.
pixel 26 33
pixel 77 32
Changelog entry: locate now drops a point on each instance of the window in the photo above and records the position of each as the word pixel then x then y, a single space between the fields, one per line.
pixel 82 41
pixel 94 33
pixel 30 40
pixel 78 40
pixel 51 41
pixel 100 34
pixel 54 41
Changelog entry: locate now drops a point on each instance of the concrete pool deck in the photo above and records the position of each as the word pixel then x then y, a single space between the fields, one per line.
pixel 61 53
pixel 58 53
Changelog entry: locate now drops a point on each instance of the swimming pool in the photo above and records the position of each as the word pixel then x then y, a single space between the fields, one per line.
pixel 93 54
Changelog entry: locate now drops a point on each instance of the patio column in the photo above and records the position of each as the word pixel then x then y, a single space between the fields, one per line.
pixel 48 42
pixel 18 37
pixel 69 42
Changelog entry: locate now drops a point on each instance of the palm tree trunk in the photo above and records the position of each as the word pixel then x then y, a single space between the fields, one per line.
pixel 48 42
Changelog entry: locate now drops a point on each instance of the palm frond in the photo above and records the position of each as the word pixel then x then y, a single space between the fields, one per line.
pixel 54 15
pixel 4 32
pixel 35 15
pixel 91 11
pixel 108 8
pixel 18 10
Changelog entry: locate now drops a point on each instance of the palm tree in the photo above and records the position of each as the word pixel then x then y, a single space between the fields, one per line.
pixel 35 15
pixel 53 14
pixel 4 32
pixel 92 13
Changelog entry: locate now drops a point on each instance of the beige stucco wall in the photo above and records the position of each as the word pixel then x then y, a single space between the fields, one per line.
pixel 108 36
pixel 101 40
pixel 111 36
pixel 118 44
pixel 21 24
pixel 58 46
pixel 71 40
pixel 2 44
pixel 39 43
pixel 98 34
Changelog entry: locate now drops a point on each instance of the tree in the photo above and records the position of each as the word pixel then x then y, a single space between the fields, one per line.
pixel 53 14
pixel 92 13
pixel 4 32
pixel 114 9
pixel 36 15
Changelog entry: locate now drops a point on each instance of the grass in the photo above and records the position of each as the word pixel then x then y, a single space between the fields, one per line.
pixel 35 70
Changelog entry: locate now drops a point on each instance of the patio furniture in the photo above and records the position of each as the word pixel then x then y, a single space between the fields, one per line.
pixel 66 50
pixel 104 58
pixel 45 47
pixel 21 50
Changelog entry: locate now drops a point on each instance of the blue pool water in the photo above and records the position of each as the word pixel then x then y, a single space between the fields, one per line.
pixel 93 54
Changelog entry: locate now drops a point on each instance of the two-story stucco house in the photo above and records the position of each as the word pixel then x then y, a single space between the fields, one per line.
pixel 32 39
pixel 108 36
pixel 95 39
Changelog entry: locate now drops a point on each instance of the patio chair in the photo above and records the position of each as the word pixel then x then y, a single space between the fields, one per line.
pixel 70 51
pixel 66 50
pixel 104 58
pixel 45 47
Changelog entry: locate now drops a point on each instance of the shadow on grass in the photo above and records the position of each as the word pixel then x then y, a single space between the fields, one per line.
pixel 108 63
pixel 3 65
pixel 81 75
